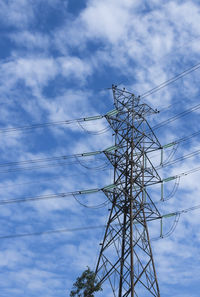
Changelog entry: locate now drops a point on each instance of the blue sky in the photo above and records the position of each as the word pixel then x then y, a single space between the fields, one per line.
pixel 58 58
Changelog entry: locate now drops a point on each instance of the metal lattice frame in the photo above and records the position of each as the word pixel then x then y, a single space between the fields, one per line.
pixel 126 259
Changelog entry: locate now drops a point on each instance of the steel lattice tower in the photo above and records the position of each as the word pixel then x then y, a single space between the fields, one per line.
pixel 126 260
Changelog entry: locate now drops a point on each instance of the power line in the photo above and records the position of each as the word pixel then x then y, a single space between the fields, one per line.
pixel 51 124
pixel 177 116
pixel 99 167
pixel 89 227
pixel 88 191
pixel 79 155
pixel 177 141
pixel 44 180
pixel 49 196
pixel 50 159
pixel 86 154
pixel 190 155
pixel 179 159
pixel 98 206
pixel 171 80
pixel 39 160
pixel 52 166
pixel 67 122
pixel 193 170
pixel 52 231
pixel 64 122
pixel 58 158
pixel 113 112
pixel 182 139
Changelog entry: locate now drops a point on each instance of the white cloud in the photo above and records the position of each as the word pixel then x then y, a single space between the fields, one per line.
pixel 73 67
pixel 142 43
pixel 35 72
pixel 31 40
pixel 17 13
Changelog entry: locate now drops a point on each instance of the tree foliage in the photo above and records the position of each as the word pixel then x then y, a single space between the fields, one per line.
pixel 86 285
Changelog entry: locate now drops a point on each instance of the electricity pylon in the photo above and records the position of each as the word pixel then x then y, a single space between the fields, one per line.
pixel 126 261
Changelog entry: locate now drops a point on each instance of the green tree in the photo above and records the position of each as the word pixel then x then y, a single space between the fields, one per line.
pixel 86 285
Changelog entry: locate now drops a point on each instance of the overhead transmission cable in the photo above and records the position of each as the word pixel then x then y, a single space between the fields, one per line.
pixel 58 158
pixel 92 118
pixel 86 154
pixel 193 170
pixel 180 159
pixel 182 139
pixel 52 178
pixel 100 205
pixel 49 196
pixel 171 80
pixel 95 132
pixel 49 124
pixel 89 191
pixel 64 230
pixel 173 191
pixel 85 162
pixel 99 167
pixel 177 116
pixel 65 122
pixel 175 143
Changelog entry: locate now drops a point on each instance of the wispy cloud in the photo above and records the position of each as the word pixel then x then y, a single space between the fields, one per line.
pixel 56 62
